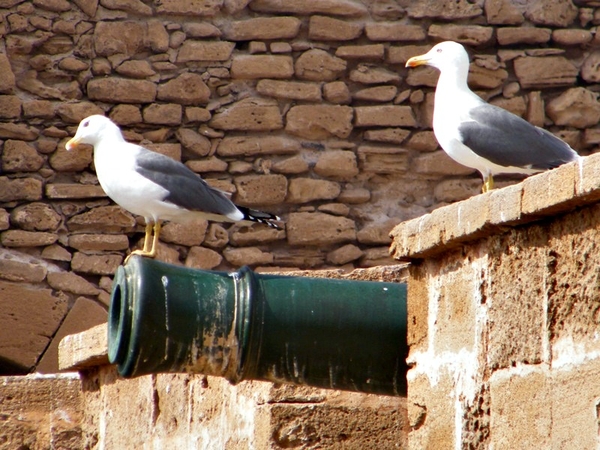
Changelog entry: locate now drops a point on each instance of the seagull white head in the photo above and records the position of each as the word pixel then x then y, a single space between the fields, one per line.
pixel 444 55
pixel 91 130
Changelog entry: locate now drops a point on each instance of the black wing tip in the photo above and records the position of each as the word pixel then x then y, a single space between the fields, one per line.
pixel 254 215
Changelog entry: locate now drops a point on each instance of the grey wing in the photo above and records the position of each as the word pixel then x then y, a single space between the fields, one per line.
pixel 507 140
pixel 186 188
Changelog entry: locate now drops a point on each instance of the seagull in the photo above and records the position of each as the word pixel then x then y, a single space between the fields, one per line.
pixel 153 185
pixel 483 136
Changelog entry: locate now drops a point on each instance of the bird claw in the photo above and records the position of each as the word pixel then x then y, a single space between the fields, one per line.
pixel 141 253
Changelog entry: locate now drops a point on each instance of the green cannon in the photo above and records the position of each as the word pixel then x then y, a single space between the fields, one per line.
pixel 326 333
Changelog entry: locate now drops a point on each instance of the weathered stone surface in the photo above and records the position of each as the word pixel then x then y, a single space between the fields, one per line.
pixel 249 114
pixel 20 189
pixel 111 38
pixel 255 190
pixel 438 163
pixel 251 146
pixel 344 254
pixel 76 112
pixel 262 28
pixel 590 69
pixel 22 238
pixel 394 31
pixel 290 89
pixel 19 156
pixel 576 107
pixel 10 106
pixel 193 142
pixel 337 92
pixel 484 78
pixel 212 164
pixel 119 90
pixel 98 242
pixel 304 190
pixel 391 135
pixel 329 29
pixel 550 71
pixel 198 8
pixel 571 37
pixel 460 9
pixel 307 7
pixel 18 131
pixel 95 264
pixel 63 160
pixel 35 217
pixel 247 256
pixel 377 233
pixel 4 219
pixel 163 114
pixel 504 12
pixel 246 236
pixel 319 121
pixel 377 94
pixel 318 65
pixel 354 196
pixel 110 219
pixel 305 228
pixel 7 77
pixel 465 34
pixel 197 51
pixel 384 116
pixel 337 164
pixel 370 52
pixel 132 6
pixel 56 253
pixel 383 159
pixel 523 35
pixel 216 236
pixel 262 66
pixel 27 324
pixel 70 282
pixel 373 75
pixel 190 233
pixel 203 258
pixel 187 89
pixel 560 13
pixel 69 190
pixel 293 165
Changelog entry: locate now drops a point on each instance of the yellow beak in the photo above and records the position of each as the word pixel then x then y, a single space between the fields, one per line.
pixel 415 61
pixel 72 143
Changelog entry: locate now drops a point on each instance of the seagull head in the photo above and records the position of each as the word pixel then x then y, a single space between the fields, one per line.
pixel 444 55
pixel 91 130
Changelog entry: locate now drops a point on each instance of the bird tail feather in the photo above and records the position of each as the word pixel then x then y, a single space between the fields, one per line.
pixel 254 215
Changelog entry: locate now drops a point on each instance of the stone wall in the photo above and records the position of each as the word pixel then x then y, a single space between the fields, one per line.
pixel 503 304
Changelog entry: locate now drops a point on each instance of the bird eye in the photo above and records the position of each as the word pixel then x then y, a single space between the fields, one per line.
pixel 439 50
pixel 85 124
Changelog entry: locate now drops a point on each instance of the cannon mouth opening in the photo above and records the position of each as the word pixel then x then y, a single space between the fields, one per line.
pixel 119 320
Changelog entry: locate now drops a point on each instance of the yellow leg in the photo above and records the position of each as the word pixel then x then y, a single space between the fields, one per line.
pixel 147 251
pixel 488 184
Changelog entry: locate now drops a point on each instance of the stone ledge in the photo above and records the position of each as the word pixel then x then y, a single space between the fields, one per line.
pixel 542 195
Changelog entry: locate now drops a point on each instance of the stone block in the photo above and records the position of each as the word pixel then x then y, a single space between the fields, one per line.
pixel 376 94
pixel 26 325
pixel 292 90
pixel 289 166
pixel 519 396
pixel 504 12
pixel 245 236
pixel 345 8
pixel 250 114
pixel 337 92
pixel 390 135
pixel 211 164
pixel 549 192
pixel 188 234
pixel 439 163
pixel 216 236
pixel 417 306
pixel 102 264
pixel 423 141
pixel 73 191
pixel 535 72
pixel 38 108
pixel 186 89
pixel 318 65
pixel 98 242
pixel 124 115
pixel 119 90
pixel 354 196
pixel 22 238
pixel 383 159
pixel 401 54
pixel 460 9
pixel 575 107
pixel 261 28
pixel 84 314
pixel 193 142
pixel 76 112
pixel 484 78
pixel 63 160
pixel 20 189
pixel 384 116
pixel 119 37
pixel 255 190
pixel 305 190
pixel 70 282
pixel 169 114
pixel 203 258
pixel 10 106
pixel 559 14
pixel 19 156
pixel 344 254
pixel 372 52
pixel 505 205
pixel 394 31
pixel 247 256
pixel 109 219
pixel 7 77
pixel 319 121
pixel 367 74
pixel 464 34
pixel 18 131
pixel 205 51
pixel 324 28
pixel 193 8
pixel 523 35
pixel 201 30
pixel 337 164
pixel 262 66
pixel 376 233
pixel 305 228
pixel 252 146
pixel 453 190
pixel 590 69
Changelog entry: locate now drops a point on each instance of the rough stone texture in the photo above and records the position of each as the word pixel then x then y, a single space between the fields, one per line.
pixel 539 72
pixel 305 190
pixel 318 65
pixel 323 28
pixel 319 121
pixel 320 229
pixel 262 28
pixel 262 66
pixel 577 107
pixel 249 114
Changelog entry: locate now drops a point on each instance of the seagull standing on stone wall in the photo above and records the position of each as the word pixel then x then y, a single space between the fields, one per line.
pixel 155 186
pixel 483 136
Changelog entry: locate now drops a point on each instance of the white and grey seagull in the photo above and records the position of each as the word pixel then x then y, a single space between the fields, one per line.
pixel 483 136
pixel 155 186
